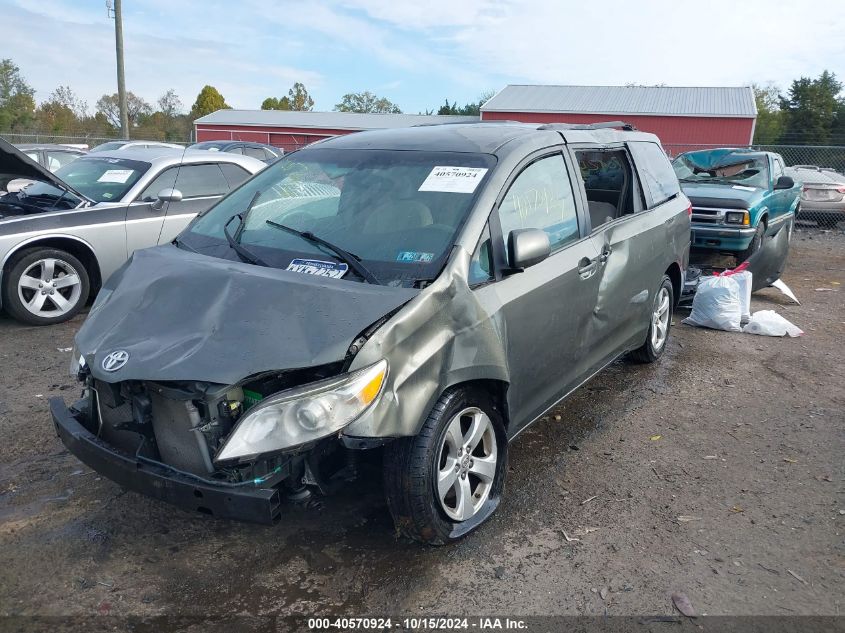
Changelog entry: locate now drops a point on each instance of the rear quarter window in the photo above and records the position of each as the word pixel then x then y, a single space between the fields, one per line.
pixel 661 182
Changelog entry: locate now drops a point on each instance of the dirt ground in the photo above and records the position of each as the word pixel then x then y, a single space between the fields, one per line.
pixel 717 472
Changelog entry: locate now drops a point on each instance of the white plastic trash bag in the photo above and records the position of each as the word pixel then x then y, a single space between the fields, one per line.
pixel 744 281
pixel 717 304
pixel 770 323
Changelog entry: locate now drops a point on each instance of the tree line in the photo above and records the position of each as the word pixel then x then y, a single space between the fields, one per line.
pixel 810 112
pixel 64 113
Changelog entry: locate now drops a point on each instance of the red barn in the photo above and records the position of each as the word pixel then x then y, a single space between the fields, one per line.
pixel 679 116
pixel 292 130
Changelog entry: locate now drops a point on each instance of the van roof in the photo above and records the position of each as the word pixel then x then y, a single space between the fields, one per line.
pixel 484 137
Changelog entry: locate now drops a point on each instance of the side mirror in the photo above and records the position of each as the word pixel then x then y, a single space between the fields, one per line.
pixel 784 182
pixel 527 247
pixel 167 195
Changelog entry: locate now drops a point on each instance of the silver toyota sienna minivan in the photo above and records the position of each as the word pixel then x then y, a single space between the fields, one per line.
pixel 429 291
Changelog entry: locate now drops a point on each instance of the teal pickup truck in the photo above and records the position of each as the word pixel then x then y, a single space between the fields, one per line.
pixel 738 196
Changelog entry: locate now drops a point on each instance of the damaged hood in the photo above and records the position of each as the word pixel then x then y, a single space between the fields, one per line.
pixel 186 316
pixel 14 164
pixel 721 195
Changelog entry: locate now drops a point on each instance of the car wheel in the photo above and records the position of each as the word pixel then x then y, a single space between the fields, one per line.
pixel 44 286
pixel 755 245
pixel 444 482
pixel 661 321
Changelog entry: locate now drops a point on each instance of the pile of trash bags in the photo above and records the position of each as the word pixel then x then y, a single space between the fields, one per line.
pixel 723 302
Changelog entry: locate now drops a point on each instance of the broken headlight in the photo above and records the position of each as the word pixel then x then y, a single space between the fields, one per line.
pixel 736 217
pixel 304 414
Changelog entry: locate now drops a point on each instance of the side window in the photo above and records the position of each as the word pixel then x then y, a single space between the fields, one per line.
pixel 59 159
pixel 481 264
pixel 199 181
pixel 656 172
pixel 778 169
pixel 236 150
pixel 234 175
pixel 254 152
pixel 608 182
pixel 541 197
pixel 165 180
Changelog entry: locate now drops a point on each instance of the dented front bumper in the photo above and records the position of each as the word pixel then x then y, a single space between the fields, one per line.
pixel 241 502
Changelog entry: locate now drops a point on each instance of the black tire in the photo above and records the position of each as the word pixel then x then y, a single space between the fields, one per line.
pixel 755 245
pixel 67 263
pixel 411 465
pixel 649 352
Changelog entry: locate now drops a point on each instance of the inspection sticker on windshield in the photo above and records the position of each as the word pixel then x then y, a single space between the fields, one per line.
pixel 116 175
pixel 335 270
pixel 744 188
pixel 414 257
pixel 453 179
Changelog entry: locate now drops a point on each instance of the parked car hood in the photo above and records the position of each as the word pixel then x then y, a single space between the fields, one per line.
pixel 723 195
pixel 14 164
pixel 186 316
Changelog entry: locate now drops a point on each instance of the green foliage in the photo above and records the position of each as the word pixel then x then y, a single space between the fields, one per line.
pixel 300 99
pixel 770 119
pixel 17 102
pixel 470 109
pixel 297 99
pixel 136 108
pixel 811 109
pixel 208 100
pixel 272 103
pixel 366 102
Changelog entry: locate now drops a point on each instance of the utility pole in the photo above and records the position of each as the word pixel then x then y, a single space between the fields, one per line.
pixel 121 81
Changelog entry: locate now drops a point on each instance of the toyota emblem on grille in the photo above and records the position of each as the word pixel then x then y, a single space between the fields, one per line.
pixel 115 360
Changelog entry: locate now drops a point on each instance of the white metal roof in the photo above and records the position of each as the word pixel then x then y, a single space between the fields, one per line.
pixel 326 120
pixel 619 100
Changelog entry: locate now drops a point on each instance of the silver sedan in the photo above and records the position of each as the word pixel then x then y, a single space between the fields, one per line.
pixel 62 236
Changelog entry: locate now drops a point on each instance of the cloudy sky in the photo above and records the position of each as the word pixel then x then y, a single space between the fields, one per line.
pixel 415 52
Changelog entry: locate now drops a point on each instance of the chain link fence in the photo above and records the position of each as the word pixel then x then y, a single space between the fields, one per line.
pixel 86 140
pixel 821 169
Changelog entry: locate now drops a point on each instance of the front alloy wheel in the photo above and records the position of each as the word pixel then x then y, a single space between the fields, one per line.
pixel 467 464
pixel 44 286
pixel 446 481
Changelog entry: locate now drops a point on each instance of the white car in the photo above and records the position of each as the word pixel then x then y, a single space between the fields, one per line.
pixel 112 146
pixel 64 235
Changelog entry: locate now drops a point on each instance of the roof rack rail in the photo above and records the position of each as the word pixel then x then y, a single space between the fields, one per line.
pixel 479 122
pixel 603 125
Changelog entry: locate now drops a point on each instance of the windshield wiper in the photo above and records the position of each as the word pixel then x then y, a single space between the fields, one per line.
pixel 243 252
pixel 353 261
pixel 177 242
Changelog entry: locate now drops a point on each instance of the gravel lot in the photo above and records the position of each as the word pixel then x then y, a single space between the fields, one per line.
pixel 717 472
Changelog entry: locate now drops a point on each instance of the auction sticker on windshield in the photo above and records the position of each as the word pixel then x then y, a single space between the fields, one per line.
pixel 335 270
pixel 453 179
pixel 116 175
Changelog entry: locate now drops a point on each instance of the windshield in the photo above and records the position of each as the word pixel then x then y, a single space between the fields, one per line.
pixel 210 145
pixel 397 212
pixel 751 170
pixel 107 147
pixel 100 179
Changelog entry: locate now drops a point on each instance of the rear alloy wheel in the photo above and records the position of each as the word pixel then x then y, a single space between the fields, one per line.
pixel 660 322
pixel 446 481
pixel 45 286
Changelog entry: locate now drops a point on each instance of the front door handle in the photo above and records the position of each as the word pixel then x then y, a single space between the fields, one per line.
pixel 586 267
